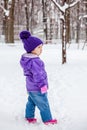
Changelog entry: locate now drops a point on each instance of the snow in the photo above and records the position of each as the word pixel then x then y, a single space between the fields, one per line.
pixel 67 88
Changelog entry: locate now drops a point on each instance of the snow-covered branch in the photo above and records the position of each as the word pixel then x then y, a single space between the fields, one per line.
pixel 5 11
pixel 57 5
pixel 65 6
pixel 85 16
pixel 74 3
pixel 81 17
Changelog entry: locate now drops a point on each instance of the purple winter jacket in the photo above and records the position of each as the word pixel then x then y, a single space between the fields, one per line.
pixel 34 70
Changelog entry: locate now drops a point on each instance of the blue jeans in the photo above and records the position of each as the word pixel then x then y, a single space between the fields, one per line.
pixel 40 100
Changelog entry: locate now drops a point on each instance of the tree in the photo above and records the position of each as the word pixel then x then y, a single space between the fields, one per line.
pixel 63 8
pixel 68 36
pixel 27 14
pixel 44 10
pixel 5 27
pixel 8 22
pixel 78 26
pixel 84 19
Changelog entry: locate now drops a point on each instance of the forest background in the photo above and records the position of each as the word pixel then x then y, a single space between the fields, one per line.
pixel 51 20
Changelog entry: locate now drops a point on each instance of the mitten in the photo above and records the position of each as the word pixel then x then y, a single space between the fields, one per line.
pixel 44 89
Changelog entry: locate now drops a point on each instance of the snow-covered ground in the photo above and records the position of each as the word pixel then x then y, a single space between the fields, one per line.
pixel 67 94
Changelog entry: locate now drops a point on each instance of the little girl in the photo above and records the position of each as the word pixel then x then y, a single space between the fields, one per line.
pixel 36 79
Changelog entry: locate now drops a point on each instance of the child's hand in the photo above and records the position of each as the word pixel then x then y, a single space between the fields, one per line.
pixel 44 89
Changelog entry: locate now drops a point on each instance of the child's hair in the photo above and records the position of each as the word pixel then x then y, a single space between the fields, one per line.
pixel 30 42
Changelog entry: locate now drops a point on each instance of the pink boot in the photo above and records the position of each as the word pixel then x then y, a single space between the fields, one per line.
pixel 31 120
pixel 54 121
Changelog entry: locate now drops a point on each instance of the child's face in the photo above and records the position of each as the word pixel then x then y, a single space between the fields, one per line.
pixel 38 50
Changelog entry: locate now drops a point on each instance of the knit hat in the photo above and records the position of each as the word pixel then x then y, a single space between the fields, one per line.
pixel 30 42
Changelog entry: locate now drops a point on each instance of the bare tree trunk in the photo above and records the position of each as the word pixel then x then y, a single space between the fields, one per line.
pixel 78 26
pixel 27 15
pixel 45 18
pixel 5 21
pixel 86 21
pixel 63 41
pixel 51 28
pixel 64 36
pixel 85 42
pixel 11 23
pixel 32 16
pixel 68 24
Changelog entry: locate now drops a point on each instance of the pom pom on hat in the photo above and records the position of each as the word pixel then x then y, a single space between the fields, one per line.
pixel 30 42
pixel 25 34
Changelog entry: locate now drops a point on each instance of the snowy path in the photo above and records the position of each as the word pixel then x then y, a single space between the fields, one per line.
pixel 67 93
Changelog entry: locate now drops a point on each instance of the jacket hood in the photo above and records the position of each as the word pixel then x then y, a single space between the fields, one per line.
pixel 26 58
